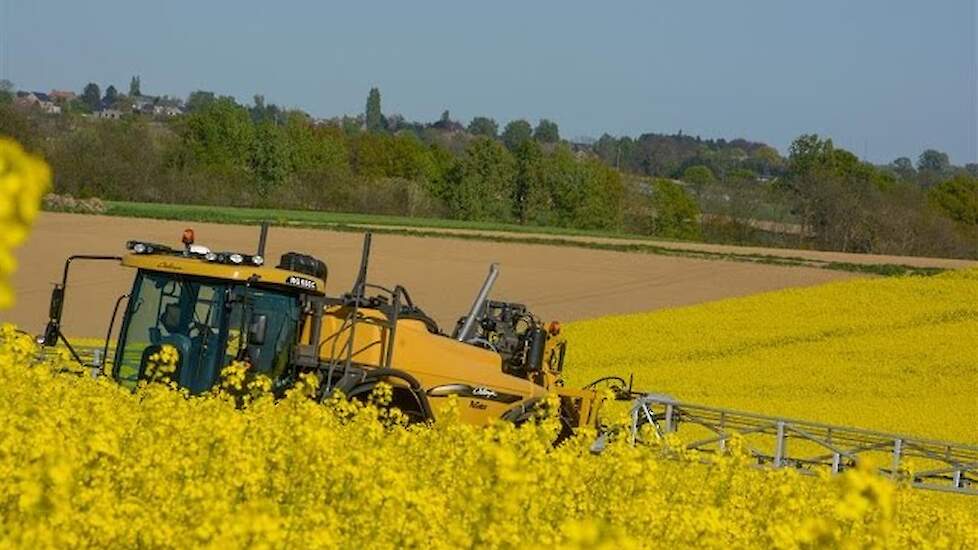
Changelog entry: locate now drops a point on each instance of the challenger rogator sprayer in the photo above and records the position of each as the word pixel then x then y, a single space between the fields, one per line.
pixel 500 361
pixel 219 307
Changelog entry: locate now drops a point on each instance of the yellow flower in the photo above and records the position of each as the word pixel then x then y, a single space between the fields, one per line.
pixel 24 179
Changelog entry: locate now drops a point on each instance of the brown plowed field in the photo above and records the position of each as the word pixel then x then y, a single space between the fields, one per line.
pixel 442 274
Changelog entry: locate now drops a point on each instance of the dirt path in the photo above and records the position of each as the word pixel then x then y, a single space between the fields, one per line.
pixel 442 274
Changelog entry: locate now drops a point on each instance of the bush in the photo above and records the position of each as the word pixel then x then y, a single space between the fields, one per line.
pixel 675 214
pixel 66 203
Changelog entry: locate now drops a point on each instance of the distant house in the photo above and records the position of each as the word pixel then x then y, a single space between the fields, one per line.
pixel 144 104
pixel 167 110
pixel 448 125
pixel 110 114
pixel 39 100
pixel 62 96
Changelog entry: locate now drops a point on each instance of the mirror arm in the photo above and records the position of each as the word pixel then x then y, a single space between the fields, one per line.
pixel 71 349
pixel 53 330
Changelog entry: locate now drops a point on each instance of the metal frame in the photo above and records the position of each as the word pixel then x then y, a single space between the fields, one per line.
pixel 951 467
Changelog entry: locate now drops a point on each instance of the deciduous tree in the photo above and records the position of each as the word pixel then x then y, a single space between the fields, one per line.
pixel 675 214
pixel 220 134
pixel 546 131
pixel 481 184
pixel 903 167
pixel 958 197
pixel 699 175
pixel 199 99
pixel 935 161
pixel 91 96
pixel 111 95
pixel 515 133
pixel 483 126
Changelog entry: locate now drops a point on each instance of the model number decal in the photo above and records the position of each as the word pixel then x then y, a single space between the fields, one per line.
pixel 301 282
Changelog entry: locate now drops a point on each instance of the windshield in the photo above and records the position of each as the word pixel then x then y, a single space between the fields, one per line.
pixel 208 323
pixel 178 311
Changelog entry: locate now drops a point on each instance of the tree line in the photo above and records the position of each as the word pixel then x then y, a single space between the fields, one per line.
pixel 678 186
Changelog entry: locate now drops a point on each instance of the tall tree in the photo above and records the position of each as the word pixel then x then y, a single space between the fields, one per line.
pixel 958 198
pixel 833 194
pixel 480 184
pixel 374 116
pixel 903 166
pixel 111 95
pixel 220 134
pixel 601 191
pixel 515 133
pixel 134 87
pixel 91 95
pixel 935 161
pixel 531 199
pixel 933 167
pixel 483 126
pixel 262 112
pixel 546 131
pixel 6 91
pixel 198 99
pixel 270 157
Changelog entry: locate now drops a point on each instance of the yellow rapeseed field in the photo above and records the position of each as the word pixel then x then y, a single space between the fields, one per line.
pixel 88 463
pixel 896 354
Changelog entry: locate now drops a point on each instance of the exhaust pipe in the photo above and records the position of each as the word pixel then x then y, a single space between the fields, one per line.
pixel 360 286
pixel 262 237
pixel 480 300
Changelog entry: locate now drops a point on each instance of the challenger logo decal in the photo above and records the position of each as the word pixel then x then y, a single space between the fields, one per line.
pixel 301 282
pixel 482 391
pixel 478 392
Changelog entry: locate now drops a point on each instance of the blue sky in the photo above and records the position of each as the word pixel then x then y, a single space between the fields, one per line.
pixel 883 78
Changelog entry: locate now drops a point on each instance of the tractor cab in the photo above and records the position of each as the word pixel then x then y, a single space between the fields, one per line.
pixel 213 308
pixel 210 322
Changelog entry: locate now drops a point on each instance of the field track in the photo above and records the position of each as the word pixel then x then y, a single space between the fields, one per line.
pixel 442 274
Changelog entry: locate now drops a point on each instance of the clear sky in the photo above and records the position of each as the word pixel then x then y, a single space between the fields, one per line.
pixel 883 78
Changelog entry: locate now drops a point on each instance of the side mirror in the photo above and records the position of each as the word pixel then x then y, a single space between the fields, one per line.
pixel 57 303
pixel 52 330
pixel 257 329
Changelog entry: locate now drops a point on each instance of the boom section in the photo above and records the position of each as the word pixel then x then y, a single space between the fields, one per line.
pixel 810 447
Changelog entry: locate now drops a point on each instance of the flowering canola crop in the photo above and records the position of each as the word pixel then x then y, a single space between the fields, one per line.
pixel 88 463
pixel 897 354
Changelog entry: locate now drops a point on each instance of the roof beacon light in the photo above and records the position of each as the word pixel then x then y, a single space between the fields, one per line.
pixel 236 258
pixel 257 260
pixel 210 257
pixel 139 248
pixel 188 237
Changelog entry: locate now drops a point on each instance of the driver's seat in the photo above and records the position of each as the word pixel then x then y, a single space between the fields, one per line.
pixel 170 318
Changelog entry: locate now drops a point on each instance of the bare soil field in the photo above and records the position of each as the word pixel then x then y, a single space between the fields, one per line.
pixel 442 274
